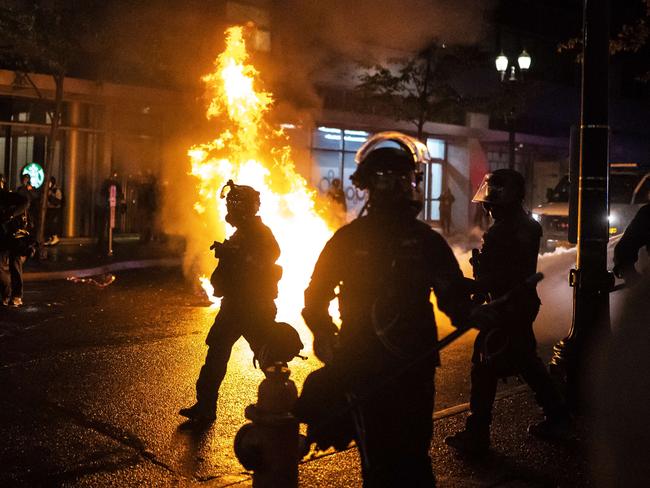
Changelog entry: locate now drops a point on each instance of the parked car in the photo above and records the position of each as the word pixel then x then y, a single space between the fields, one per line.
pixel 629 188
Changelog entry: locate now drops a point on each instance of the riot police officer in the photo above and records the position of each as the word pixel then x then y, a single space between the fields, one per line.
pixel 626 252
pixel 507 257
pixel 247 280
pixel 379 367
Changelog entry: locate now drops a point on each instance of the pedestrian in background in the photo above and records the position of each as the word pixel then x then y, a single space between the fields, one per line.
pixel 336 196
pixel 446 201
pixel 54 210
pixel 27 191
pixel 148 207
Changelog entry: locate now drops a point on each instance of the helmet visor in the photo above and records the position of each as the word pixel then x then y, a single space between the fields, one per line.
pixel 483 193
pixel 491 191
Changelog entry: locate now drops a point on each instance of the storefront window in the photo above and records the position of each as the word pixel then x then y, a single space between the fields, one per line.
pixel 433 179
pixel 333 150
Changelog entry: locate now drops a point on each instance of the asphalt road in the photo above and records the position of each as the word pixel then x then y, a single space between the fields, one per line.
pixel 92 380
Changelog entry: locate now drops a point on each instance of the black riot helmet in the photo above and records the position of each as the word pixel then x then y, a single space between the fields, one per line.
pixel 503 187
pixel 391 174
pixel 242 202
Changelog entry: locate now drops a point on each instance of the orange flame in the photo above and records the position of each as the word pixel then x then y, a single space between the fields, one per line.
pixel 252 152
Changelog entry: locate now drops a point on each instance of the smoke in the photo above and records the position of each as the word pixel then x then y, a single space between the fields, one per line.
pixel 554 319
pixel 325 42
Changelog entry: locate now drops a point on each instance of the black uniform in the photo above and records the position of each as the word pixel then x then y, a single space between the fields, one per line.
pixel 12 213
pixel 637 235
pixel 509 256
pixel 247 279
pixel 385 266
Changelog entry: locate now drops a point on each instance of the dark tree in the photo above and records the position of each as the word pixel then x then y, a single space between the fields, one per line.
pixel 419 89
pixel 43 39
pixel 631 37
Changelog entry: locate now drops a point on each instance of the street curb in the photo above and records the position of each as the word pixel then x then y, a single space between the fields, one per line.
pixel 107 268
pixel 464 407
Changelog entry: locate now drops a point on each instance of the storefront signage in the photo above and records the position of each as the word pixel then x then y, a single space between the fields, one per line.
pixel 36 174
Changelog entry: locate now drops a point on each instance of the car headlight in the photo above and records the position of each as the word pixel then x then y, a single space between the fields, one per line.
pixel 537 217
pixel 612 219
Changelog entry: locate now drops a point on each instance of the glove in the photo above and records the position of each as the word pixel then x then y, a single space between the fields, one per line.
pixel 627 273
pixel 484 317
pixel 217 247
pixel 324 346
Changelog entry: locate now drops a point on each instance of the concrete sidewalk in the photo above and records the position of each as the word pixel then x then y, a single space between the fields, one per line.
pixel 80 257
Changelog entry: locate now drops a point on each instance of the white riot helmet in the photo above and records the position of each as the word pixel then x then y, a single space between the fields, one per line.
pixel 390 167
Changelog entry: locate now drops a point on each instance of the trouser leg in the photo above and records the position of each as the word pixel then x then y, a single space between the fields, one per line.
pixel 548 397
pixel 5 276
pixel 214 370
pixel 482 395
pixel 399 426
pixel 16 271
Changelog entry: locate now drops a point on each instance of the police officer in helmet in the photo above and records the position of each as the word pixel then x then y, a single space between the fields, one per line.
pixel 380 364
pixel 247 280
pixel 507 257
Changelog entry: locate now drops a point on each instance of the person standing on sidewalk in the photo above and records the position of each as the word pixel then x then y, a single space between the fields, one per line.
pixel 336 196
pixel 446 201
pixel 247 280
pixel 12 214
pixel 27 190
pixel 508 256
pixel 385 265
pixel 54 209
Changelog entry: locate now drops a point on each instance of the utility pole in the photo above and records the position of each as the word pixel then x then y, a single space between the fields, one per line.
pixel 590 279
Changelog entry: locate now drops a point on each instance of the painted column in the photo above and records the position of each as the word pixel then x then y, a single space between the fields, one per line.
pixel 73 154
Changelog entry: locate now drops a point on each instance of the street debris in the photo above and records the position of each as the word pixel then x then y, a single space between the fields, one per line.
pixel 100 281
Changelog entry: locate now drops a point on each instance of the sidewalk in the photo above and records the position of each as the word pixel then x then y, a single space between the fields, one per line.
pixel 79 257
pixel 515 460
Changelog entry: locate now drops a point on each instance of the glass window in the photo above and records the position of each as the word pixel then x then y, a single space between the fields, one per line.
pixel 621 187
pixel 432 190
pixel 436 148
pixel 24 150
pixel 326 167
pixel 328 138
pixel 354 139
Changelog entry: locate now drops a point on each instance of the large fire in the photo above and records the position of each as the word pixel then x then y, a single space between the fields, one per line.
pixel 252 152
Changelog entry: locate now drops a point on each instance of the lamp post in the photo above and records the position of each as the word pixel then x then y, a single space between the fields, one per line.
pixel 574 357
pixel 512 74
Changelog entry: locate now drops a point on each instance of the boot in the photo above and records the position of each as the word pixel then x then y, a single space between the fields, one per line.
pixel 552 428
pixel 199 413
pixel 470 442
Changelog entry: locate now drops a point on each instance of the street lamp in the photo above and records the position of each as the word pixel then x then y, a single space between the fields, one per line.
pixel 502 64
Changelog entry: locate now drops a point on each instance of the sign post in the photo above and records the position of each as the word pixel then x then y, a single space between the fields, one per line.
pixel 112 202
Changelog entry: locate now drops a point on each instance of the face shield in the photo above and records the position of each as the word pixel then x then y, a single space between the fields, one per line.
pixel 487 193
pixel 500 188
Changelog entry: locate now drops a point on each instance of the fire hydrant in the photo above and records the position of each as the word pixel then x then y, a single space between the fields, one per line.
pixel 270 445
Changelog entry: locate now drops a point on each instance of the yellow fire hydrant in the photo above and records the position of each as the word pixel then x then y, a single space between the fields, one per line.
pixel 270 445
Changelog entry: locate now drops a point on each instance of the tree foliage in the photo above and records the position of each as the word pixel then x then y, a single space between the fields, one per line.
pixel 632 37
pixel 419 89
